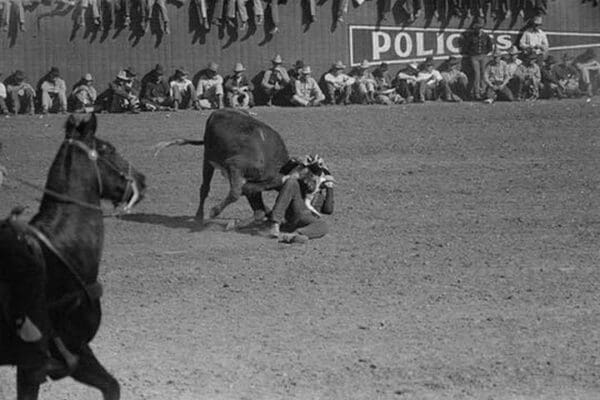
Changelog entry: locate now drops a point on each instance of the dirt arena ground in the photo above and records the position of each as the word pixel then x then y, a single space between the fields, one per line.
pixel 461 264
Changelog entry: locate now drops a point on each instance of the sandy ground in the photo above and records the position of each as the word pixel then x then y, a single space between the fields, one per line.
pixel 461 264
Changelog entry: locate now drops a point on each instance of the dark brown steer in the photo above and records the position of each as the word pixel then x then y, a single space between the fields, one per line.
pixel 249 153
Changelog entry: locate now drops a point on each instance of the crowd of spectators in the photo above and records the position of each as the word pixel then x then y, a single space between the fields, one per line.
pixel 525 72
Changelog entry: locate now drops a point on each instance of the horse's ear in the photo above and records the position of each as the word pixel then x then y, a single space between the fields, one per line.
pixel 80 127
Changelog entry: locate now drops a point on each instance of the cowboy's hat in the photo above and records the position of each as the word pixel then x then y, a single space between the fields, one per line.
pixel 122 75
pixel 305 70
pixel 239 67
pixel 364 64
pixel 88 77
pixel 338 65
pixel 277 59
pixel 213 66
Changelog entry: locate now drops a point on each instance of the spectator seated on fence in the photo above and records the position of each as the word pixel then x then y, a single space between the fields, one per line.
pixel 182 89
pixel 209 91
pixel 405 82
pixel 120 95
pixel 156 94
pixel 307 92
pixel 455 82
pixel 385 93
pixel 20 94
pixel 429 82
pixel 3 96
pixel 274 82
pixel 83 97
pixel 530 78
pixel 238 89
pixel 7 12
pixel 53 92
pixel 496 78
pixel 363 90
pixel 338 84
pixel 568 76
pixel 586 63
pixel 550 84
pixel 534 40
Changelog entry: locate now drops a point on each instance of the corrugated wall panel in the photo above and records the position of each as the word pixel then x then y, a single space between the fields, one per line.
pixel 50 40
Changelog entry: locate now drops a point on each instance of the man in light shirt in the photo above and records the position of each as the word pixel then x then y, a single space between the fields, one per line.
pixel 54 92
pixel 534 39
pixel 429 82
pixel 364 84
pixel 20 94
pixel 306 90
pixel 275 80
pixel 339 84
pixel 83 96
pixel 530 78
pixel 209 91
pixel 3 95
pixel 455 82
pixel 182 90
pixel 496 78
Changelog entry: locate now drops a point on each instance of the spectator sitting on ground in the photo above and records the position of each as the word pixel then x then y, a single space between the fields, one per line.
pixel 338 84
pixel 183 90
pixel 20 94
pixel 3 95
pixel 83 97
pixel 550 83
pixel 53 92
pixel 306 90
pixel 364 84
pixel 429 81
pixel 384 91
pixel 405 82
pixel 238 89
pixel 209 91
pixel 534 40
pixel 587 63
pixel 530 77
pixel 274 81
pixel 568 76
pixel 496 79
pixel 296 70
pixel 455 82
pixel 136 84
pixel 512 63
pixel 156 95
pixel 120 95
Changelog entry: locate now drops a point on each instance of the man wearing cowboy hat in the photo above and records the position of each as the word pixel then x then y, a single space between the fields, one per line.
pixel 530 78
pixel 455 82
pixel 534 39
pixel 54 92
pixel 550 85
pixel 83 96
pixel 306 90
pixel 20 94
pixel 182 90
pixel 429 82
pixel 364 84
pixel 338 84
pixel 496 79
pixel 209 91
pixel 3 95
pixel 274 81
pixel 568 76
pixel 405 81
pixel 120 95
pixel 238 89
pixel 385 93
pixel 156 94
pixel 476 45
pixel 295 71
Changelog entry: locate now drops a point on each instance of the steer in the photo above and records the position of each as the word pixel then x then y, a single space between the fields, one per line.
pixel 249 153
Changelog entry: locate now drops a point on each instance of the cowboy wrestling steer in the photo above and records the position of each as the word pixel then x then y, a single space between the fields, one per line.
pixel 249 153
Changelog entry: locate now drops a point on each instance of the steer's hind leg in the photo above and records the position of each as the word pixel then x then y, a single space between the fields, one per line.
pixel 236 181
pixel 207 173
pixel 28 383
pixel 90 372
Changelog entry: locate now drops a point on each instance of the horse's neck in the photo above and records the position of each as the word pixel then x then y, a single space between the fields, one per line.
pixel 77 234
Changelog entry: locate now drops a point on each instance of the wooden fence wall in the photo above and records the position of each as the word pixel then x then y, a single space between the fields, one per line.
pixel 51 40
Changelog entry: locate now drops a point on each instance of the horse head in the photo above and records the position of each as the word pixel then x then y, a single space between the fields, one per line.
pixel 118 180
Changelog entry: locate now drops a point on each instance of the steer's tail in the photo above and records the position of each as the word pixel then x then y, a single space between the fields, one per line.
pixel 179 142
